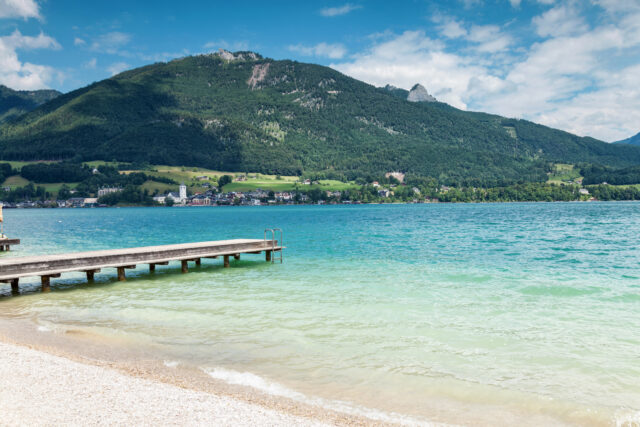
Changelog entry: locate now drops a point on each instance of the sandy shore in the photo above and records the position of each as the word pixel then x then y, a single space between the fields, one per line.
pixel 71 378
pixel 39 388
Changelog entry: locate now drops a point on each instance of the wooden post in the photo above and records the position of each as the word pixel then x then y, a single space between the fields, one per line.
pixel 152 266
pixel 226 261
pixel 236 256
pixel 185 266
pixel 267 256
pixel 1 248
pixel 46 283
pixel 91 274
pixel 121 276
pixel 14 286
pixel 198 262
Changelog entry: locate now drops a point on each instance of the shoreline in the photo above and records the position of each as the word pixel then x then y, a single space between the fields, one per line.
pixel 326 204
pixel 130 385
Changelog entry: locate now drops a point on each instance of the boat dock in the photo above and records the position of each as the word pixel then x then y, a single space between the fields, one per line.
pixel 5 244
pixel 51 266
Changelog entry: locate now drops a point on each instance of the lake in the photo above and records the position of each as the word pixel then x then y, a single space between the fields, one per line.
pixel 400 312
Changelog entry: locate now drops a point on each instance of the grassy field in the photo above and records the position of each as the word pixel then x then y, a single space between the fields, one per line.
pixel 564 173
pixel 18 165
pixel 18 181
pixel 15 181
pixel 195 179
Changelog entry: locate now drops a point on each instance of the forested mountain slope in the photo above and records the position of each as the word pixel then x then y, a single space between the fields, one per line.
pixel 14 103
pixel 243 112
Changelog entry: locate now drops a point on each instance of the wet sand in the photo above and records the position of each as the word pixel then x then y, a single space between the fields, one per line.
pixel 49 378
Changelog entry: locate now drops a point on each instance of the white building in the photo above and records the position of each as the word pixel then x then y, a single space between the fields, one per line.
pixel 108 190
pixel 183 193
pixel 160 199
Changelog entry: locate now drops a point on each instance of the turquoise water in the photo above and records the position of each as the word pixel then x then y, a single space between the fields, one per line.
pixel 441 312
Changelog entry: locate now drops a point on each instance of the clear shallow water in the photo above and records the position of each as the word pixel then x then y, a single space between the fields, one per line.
pixel 527 308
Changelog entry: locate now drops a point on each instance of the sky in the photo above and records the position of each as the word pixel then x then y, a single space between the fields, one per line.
pixel 569 64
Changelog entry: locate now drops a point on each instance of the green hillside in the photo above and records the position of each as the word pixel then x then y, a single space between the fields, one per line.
pixel 241 112
pixel 14 103
pixel 634 140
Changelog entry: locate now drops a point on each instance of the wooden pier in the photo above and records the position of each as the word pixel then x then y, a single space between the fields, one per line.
pixel 5 244
pixel 51 266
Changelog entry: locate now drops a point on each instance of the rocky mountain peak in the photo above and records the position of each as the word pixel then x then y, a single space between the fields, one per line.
pixel 418 93
pixel 237 56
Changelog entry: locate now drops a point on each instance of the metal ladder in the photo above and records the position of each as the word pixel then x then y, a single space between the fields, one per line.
pixel 274 243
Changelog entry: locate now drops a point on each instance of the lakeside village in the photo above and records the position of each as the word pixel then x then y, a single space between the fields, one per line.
pixel 212 197
pixel 105 186
pixel 373 193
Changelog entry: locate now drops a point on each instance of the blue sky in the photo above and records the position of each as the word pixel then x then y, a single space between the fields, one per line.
pixel 569 64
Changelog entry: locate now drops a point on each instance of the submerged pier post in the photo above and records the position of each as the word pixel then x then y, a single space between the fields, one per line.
pixel 267 256
pixel 198 262
pixel 15 288
pixel 152 266
pixel 121 276
pixel 91 274
pixel 185 266
pixel 45 281
pixel 226 261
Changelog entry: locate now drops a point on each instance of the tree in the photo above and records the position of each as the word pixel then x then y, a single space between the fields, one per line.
pixel 224 180
pixel 64 192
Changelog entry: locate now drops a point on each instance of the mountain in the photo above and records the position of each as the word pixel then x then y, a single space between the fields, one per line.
pixel 419 94
pixel 242 112
pixel 634 140
pixel 396 91
pixel 14 103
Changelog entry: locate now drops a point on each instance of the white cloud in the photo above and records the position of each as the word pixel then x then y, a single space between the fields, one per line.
pixel 559 21
pixel 453 29
pixel 79 42
pixel 489 38
pixel 19 75
pixel 411 58
pixel 337 11
pixel 91 64
pixel 117 68
pixel 111 43
pixel 577 78
pixel 19 9
pixel 515 3
pixel 333 51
